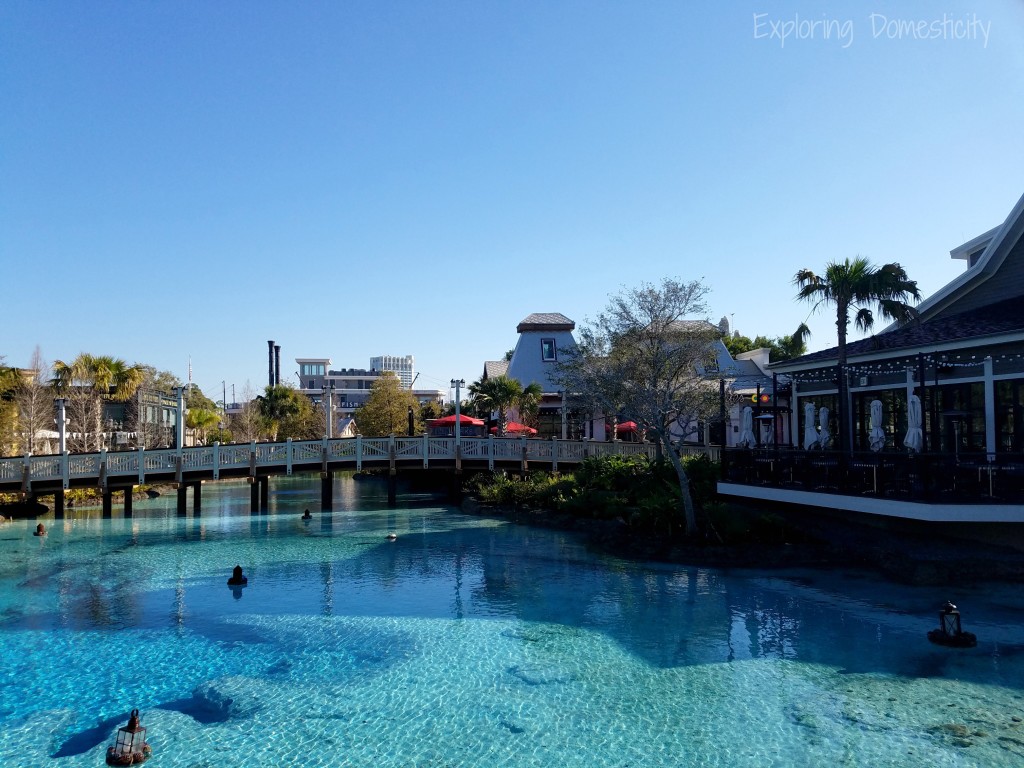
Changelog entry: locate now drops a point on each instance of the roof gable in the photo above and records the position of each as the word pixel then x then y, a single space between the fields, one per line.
pixel 1003 255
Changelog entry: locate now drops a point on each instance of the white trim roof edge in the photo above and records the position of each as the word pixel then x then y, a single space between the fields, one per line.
pixel 994 255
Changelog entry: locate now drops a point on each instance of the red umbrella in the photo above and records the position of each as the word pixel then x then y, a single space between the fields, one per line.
pixel 515 426
pixel 449 421
pixel 626 426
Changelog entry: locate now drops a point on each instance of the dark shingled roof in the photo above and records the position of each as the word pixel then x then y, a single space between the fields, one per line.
pixel 994 320
pixel 545 321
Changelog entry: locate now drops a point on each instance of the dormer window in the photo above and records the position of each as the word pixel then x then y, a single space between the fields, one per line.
pixel 547 350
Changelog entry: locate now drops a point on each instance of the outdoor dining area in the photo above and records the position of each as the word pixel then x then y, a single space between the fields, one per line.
pixel 884 463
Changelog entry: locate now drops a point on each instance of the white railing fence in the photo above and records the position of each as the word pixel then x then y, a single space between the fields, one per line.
pixel 283 457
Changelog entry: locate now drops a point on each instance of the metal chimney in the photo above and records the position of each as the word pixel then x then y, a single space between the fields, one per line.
pixel 277 364
pixel 270 363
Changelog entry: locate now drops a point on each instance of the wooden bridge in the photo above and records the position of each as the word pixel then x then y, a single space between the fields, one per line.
pixel 120 471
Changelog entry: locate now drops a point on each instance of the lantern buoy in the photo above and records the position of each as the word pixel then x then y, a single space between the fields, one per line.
pixel 130 747
pixel 950 633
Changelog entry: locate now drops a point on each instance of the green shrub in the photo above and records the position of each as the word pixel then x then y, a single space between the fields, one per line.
pixel 642 492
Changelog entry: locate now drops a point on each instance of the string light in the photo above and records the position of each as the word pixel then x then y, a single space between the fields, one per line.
pixel 902 366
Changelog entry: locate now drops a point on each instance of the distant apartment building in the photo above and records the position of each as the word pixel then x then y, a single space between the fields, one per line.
pixel 350 387
pixel 404 367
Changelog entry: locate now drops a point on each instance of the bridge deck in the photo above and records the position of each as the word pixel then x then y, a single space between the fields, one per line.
pixel 119 469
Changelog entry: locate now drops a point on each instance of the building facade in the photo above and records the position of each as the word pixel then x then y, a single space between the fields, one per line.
pixel 404 367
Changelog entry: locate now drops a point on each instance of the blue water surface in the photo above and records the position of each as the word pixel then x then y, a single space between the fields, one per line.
pixel 470 641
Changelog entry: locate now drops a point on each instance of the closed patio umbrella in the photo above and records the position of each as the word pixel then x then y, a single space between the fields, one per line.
pixel 876 438
pixel 915 437
pixel 747 439
pixel 824 436
pixel 810 433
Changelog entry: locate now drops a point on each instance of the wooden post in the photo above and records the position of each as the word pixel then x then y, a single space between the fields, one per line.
pixel 128 502
pixel 254 495
pixel 264 494
pixel 182 499
pixel 58 504
pixel 197 498
pixel 108 503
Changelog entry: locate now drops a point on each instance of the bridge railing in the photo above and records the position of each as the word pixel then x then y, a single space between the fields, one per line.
pixel 20 472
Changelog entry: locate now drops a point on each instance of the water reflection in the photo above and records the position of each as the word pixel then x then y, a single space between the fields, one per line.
pixel 157 570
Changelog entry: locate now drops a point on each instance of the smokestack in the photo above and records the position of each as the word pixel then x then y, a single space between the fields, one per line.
pixel 270 363
pixel 277 364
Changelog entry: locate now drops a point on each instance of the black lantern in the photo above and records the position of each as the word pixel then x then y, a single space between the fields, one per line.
pixel 949 620
pixel 130 747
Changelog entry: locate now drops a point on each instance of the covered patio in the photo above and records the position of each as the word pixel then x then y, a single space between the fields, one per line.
pixel 935 408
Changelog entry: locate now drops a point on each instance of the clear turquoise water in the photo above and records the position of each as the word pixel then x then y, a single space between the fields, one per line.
pixel 473 642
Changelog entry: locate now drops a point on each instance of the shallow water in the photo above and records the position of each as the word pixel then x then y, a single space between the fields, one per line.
pixel 473 642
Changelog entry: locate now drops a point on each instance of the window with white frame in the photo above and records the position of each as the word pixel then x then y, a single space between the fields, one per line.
pixel 547 350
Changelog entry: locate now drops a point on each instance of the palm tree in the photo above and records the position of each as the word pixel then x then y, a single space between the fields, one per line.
pixel 276 404
pixel 500 393
pixel 856 285
pixel 89 380
pixel 201 420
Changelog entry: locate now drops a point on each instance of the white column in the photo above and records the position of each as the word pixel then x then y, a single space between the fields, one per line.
pixel 990 410
pixel 62 424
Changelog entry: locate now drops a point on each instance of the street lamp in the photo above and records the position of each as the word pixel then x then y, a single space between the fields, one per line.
pixel 62 423
pixel 328 392
pixel 458 384
pixel 179 432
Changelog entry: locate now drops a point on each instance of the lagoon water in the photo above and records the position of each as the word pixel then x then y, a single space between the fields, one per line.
pixel 470 641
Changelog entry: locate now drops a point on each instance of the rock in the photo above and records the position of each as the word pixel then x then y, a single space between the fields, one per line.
pixel 228 697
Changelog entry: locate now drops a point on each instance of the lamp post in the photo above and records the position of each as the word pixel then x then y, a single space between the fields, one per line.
pixel 179 426
pixel 458 384
pixel 328 409
pixel 62 424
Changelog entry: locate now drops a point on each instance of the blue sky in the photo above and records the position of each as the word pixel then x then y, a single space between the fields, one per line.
pixel 362 178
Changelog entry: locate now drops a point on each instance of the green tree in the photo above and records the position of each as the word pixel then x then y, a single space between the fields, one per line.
pixel 276 404
pixel 501 393
pixel 9 382
pixel 386 411
pixel 160 381
pixel 194 398
pixel 856 286
pixel 201 420
pixel 431 410
pixel 782 347
pixel 642 359
pixel 88 381
pixel 308 422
